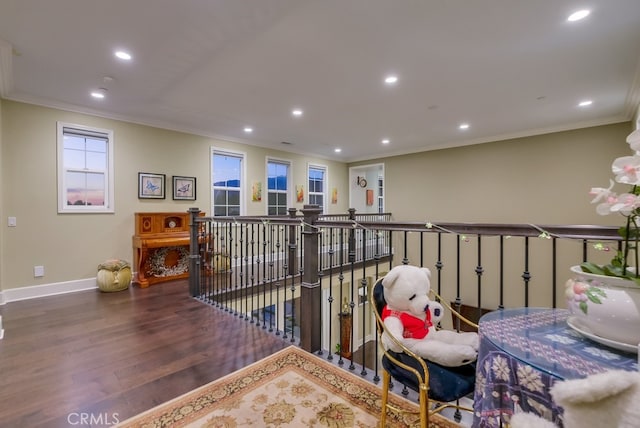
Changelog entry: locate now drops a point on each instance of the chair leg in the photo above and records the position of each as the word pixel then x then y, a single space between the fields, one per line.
pixel 386 378
pixel 424 407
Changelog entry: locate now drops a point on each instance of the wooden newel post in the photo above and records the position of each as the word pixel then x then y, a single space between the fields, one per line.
pixel 310 291
pixel 194 256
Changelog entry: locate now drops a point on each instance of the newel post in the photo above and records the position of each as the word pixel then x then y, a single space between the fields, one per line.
pixel 194 256
pixel 310 290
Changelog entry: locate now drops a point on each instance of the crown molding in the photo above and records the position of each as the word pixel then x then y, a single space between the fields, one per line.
pixel 48 103
pixel 496 138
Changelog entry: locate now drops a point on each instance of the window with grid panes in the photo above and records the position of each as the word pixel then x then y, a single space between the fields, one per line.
pixel 85 169
pixel 380 195
pixel 227 183
pixel 277 187
pixel 317 185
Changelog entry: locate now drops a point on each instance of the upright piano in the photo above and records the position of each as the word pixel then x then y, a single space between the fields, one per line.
pixel 161 247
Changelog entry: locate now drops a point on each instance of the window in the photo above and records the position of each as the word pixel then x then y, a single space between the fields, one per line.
pixel 85 169
pixel 277 186
pixel 227 183
pixel 380 194
pixel 317 185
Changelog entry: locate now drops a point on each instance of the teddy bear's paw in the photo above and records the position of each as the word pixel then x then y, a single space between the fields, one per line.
pixel 471 339
pixel 468 355
pixel 464 355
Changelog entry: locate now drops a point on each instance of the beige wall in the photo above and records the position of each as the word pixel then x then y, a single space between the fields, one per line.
pixel 543 179
pixel 70 246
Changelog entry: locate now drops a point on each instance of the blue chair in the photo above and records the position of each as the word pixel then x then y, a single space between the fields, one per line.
pixel 438 387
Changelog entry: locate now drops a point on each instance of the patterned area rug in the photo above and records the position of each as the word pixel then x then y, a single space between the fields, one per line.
pixel 291 388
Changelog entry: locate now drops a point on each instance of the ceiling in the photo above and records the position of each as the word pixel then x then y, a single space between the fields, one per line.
pixel 508 68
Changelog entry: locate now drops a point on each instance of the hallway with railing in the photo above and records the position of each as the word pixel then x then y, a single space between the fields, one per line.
pixel 306 277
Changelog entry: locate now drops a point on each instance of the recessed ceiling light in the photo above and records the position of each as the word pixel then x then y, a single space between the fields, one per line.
pixel 99 93
pixel 296 112
pixel 577 16
pixel 248 129
pixel 386 141
pixel 463 126
pixel 391 79
pixel 337 150
pixel 123 55
pixel 585 103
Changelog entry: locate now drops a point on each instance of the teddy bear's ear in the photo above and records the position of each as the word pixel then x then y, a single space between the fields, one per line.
pixel 427 271
pixel 390 278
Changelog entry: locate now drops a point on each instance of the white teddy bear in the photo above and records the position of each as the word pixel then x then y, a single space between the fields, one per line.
pixel 410 317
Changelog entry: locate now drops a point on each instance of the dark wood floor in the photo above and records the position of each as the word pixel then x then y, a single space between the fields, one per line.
pixel 109 356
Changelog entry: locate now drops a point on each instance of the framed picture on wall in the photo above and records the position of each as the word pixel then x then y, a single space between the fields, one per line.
pixel 151 186
pixel 369 197
pixel 184 188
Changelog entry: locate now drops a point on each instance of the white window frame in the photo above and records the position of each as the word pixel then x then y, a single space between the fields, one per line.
pixel 109 186
pixel 289 191
pixel 243 180
pixel 325 183
pixel 380 184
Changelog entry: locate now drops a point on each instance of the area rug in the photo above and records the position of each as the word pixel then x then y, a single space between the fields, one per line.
pixel 290 388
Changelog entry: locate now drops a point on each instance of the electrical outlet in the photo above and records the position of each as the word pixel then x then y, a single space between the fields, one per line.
pixel 38 271
pixel 12 222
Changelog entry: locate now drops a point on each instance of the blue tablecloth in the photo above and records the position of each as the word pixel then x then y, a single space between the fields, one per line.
pixel 523 352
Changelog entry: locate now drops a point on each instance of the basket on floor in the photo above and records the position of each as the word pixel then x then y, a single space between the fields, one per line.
pixel 113 275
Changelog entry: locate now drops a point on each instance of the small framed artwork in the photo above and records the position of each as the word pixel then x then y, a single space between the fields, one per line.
pixel 184 188
pixel 299 193
pixel 369 197
pixel 151 186
pixel 256 191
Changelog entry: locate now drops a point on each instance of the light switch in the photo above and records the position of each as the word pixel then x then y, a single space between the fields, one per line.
pixel 12 222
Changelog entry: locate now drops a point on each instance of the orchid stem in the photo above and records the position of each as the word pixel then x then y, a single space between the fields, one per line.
pixel 626 247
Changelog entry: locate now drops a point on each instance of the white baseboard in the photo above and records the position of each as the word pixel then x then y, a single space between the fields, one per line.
pixel 37 291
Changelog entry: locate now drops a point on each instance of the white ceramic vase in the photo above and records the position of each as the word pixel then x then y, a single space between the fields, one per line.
pixel 605 306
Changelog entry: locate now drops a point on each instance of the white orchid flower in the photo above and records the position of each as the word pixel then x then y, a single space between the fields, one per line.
pixel 626 203
pixel 634 140
pixel 605 207
pixel 600 193
pixel 627 169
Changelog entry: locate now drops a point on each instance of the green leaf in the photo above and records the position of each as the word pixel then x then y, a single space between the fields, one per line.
pixel 594 298
pixel 592 268
pixel 583 307
pixel 622 231
pixel 595 292
pixel 613 270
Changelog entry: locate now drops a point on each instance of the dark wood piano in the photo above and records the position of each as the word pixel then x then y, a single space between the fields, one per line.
pixel 161 247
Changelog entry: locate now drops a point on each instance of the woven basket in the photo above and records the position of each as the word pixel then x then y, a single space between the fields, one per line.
pixel 113 275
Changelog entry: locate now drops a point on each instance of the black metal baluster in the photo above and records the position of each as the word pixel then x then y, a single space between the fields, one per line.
pixel 330 298
pixel 479 273
pixel 501 305
pixel 526 275
pixel 363 284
